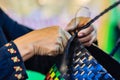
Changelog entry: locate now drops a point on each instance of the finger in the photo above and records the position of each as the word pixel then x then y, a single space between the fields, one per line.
pixel 61 41
pixel 85 32
pixel 57 50
pixel 89 42
pixel 77 23
pixel 59 45
pixel 54 51
pixel 86 38
pixel 49 54
pixel 65 37
pixel 94 38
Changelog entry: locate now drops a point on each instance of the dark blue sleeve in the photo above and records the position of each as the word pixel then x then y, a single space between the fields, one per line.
pixel 11 63
pixel 11 28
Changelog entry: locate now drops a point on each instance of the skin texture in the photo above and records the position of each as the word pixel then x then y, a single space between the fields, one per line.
pixel 52 40
pixel 48 41
pixel 86 36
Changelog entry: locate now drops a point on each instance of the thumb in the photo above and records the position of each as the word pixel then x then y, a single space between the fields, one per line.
pixel 77 23
pixel 72 25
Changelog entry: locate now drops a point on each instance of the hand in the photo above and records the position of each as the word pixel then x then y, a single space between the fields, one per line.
pixel 86 36
pixel 48 41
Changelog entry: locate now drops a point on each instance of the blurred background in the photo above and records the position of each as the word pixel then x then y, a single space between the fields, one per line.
pixel 43 13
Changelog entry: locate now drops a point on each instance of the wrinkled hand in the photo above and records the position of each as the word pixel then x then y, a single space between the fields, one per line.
pixel 86 36
pixel 53 41
pixel 48 41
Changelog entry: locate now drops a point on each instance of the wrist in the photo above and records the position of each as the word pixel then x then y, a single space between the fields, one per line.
pixel 24 48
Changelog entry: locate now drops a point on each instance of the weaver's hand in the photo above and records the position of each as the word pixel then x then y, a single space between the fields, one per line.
pixel 86 36
pixel 48 41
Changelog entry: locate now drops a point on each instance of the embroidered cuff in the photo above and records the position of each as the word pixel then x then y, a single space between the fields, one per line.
pixel 16 62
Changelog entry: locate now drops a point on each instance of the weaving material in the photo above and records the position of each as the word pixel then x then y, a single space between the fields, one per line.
pixel 81 65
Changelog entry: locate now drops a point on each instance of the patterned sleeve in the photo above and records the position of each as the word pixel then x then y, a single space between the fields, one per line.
pixel 11 63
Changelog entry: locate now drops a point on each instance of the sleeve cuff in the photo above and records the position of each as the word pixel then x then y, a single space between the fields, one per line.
pixel 16 62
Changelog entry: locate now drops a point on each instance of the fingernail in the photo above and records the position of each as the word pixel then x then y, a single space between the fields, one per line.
pixel 80 34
